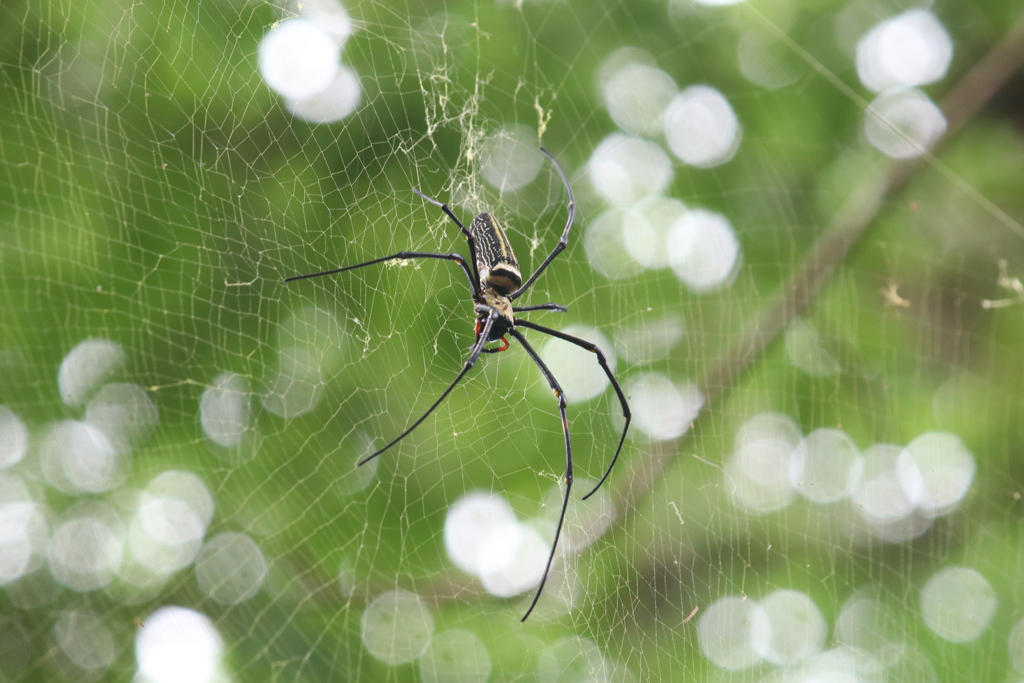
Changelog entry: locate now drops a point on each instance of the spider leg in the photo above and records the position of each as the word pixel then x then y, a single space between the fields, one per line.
pixel 474 354
pixel 557 389
pixel 457 258
pixel 502 347
pixel 563 241
pixel 465 231
pixel 540 307
pixel 584 344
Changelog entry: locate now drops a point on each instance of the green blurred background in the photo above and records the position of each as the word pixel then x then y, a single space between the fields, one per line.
pixel 155 192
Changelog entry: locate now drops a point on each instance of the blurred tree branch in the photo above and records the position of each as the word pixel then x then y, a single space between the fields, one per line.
pixel 846 229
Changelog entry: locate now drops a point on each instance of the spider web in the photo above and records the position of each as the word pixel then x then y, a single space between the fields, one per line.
pixel 180 428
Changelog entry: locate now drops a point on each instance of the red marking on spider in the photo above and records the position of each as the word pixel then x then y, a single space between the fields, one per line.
pixel 504 342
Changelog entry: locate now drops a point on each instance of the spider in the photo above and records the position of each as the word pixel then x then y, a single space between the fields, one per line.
pixel 495 283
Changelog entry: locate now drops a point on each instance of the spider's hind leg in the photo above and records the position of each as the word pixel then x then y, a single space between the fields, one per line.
pixel 567 477
pixel 627 415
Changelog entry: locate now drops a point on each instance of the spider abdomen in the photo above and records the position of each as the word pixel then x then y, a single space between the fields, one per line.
pixel 495 260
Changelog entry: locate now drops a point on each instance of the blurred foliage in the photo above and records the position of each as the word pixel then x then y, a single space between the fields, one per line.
pixel 155 192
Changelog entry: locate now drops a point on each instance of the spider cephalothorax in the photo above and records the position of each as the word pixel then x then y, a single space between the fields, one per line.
pixel 496 282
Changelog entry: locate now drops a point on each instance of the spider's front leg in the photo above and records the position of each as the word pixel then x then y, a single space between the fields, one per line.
pixel 489 321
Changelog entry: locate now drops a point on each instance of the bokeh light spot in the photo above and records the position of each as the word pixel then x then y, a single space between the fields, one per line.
pixel 512 559
pixel 231 568
pixel 86 367
pixel 905 51
pixel 578 371
pixel 703 250
pixel 903 124
pixel 178 645
pixel 87 547
pixel 510 159
pixel 397 627
pixel 796 628
pixel 661 410
pixel 826 466
pixel 335 102
pixel 455 656
pixel 299 58
pixel 957 604
pixel 224 409
pixel 468 523
pixel 636 95
pixel 726 631
pixel 13 438
pixel 86 641
pixel 701 128
pixel 623 169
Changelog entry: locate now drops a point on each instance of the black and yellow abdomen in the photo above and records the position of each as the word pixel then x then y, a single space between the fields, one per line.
pixel 495 260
